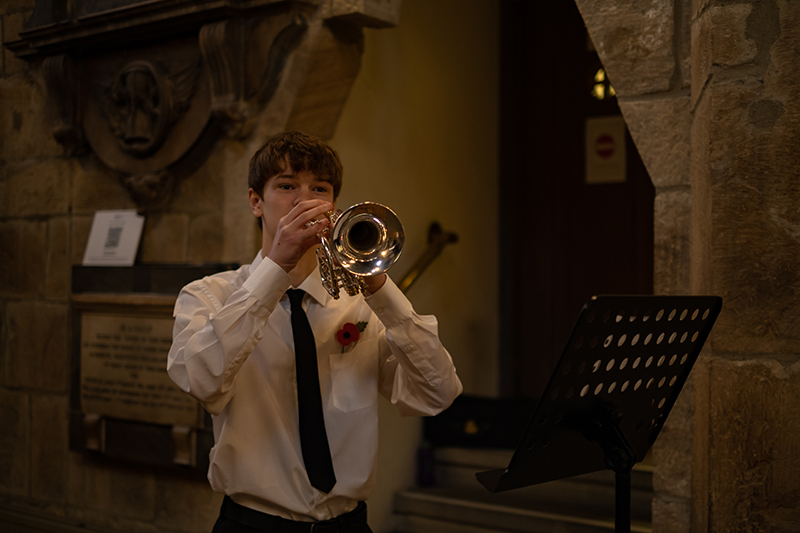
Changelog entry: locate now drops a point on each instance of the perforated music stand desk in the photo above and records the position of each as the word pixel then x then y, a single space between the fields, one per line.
pixel 623 367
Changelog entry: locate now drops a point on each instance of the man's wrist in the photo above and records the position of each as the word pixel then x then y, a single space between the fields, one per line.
pixel 390 304
pixel 374 283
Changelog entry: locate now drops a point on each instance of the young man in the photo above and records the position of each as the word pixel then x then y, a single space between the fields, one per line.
pixel 234 351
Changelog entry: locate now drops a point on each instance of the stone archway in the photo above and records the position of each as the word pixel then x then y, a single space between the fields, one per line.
pixel 709 92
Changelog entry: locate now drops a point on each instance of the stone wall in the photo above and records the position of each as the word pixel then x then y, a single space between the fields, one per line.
pixel 709 90
pixel 35 234
pixel 47 201
pixel 402 136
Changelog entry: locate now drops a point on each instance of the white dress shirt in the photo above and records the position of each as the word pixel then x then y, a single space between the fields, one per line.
pixel 233 351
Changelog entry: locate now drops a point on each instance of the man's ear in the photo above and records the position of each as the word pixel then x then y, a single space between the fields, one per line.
pixel 256 203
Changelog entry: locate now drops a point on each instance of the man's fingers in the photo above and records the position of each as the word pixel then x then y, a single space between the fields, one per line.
pixel 305 212
pixel 312 230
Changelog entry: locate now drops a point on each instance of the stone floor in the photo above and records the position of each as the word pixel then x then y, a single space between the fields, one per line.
pixel 457 502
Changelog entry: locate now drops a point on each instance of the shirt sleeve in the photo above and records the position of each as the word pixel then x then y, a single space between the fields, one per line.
pixel 217 326
pixel 417 372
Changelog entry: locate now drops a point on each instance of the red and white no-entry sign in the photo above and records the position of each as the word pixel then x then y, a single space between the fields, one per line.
pixel 605 149
pixel 605 146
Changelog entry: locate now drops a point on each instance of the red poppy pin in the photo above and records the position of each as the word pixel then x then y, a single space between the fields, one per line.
pixel 350 333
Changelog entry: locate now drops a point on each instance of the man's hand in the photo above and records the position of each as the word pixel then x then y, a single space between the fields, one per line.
pixel 295 236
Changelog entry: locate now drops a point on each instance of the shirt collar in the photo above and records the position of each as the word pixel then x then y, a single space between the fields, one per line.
pixel 312 285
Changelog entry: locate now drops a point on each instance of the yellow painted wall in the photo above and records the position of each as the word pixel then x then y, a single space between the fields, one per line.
pixel 419 134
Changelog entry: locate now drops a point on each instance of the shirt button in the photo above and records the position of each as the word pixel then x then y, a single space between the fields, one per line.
pixel 257 335
pixel 380 310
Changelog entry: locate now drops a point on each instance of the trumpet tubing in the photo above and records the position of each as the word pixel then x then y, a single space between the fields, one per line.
pixel 364 240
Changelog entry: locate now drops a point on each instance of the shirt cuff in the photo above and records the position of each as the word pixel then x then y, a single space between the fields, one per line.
pixel 268 282
pixel 390 304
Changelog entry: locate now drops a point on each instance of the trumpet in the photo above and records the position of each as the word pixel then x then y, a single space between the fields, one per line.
pixel 364 240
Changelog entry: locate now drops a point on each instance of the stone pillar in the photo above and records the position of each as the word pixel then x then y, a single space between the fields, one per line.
pixel 746 248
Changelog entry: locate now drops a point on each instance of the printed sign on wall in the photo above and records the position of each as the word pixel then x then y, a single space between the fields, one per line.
pixel 605 150
pixel 114 238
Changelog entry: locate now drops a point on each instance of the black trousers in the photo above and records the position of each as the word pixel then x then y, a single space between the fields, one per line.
pixel 235 518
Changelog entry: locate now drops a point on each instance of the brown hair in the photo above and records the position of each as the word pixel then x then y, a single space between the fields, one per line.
pixel 304 152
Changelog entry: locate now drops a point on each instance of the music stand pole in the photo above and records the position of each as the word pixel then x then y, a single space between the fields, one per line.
pixel 603 427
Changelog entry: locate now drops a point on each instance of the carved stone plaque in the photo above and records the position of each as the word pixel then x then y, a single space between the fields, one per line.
pixel 134 100
pixel 123 370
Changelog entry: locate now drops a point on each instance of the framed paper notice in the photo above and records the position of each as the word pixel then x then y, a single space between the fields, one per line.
pixel 114 238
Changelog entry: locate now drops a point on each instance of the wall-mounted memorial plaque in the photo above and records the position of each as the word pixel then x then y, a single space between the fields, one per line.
pixel 123 403
pixel 123 370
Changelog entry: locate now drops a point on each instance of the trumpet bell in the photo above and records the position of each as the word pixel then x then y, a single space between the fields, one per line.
pixel 367 239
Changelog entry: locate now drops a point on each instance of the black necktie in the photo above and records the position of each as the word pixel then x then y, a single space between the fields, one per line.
pixel 313 438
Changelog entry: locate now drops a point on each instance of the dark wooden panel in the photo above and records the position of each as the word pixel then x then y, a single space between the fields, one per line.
pixel 561 240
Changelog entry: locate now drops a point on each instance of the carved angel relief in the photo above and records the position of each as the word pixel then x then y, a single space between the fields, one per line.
pixel 143 102
pixel 145 111
pixel 140 105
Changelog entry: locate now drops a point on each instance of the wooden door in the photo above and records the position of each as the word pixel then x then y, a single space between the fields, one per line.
pixel 562 239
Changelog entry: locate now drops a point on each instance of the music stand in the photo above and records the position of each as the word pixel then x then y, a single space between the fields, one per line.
pixel 623 367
